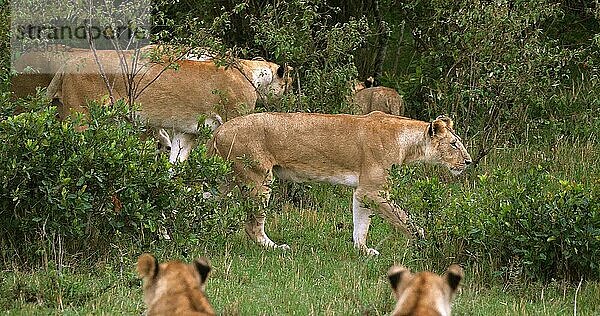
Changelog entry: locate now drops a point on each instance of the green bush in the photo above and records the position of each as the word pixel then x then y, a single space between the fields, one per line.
pixel 494 66
pixel 319 48
pixel 89 191
pixel 517 226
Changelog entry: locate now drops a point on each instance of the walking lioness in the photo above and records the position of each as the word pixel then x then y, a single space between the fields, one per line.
pixel 174 288
pixel 424 293
pixel 355 151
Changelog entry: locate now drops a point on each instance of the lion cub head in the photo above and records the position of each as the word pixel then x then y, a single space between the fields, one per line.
pixel 174 288
pixel 446 147
pixel 424 293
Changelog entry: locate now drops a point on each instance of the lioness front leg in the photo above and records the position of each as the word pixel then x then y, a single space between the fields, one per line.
pixel 364 202
pixel 361 219
pixel 181 146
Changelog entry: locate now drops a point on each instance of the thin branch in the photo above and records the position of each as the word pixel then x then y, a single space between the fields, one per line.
pixel 100 67
pixel 576 292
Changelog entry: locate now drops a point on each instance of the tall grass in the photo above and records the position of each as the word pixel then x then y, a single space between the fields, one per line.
pixel 322 274
pixel 528 212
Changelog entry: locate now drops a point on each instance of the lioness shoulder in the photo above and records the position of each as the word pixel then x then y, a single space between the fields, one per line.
pixel 174 288
pixel 424 293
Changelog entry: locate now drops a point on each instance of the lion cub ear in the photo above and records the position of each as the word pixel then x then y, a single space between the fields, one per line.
pixel 202 265
pixel 398 277
pixel 446 120
pixel 439 124
pixel 282 70
pixel 147 266
pixel 453 276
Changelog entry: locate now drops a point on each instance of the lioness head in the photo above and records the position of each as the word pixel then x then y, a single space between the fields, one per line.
pixel 267 77
pixel 446 147
pixel 424 293
pixel 174 288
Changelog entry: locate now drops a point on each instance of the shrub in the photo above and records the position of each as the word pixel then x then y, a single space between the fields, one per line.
pixel 494 66
pixel 105 187
pixel 319 48
pixel 531 225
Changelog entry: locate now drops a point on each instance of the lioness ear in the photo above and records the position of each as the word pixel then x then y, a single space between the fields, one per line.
pixel 453 276
pixel 396 274
pixel 202 265
pixel 369 82
pixel 281 71
pixel 147 266
pixel 438 125
pixel 446 120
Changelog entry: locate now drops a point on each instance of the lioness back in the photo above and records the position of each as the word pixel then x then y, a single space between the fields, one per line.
pixel 169 98
pixel 174 288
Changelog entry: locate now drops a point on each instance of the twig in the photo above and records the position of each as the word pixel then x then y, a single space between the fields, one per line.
pixel 577 292
pixel 100 67
pixel 482 153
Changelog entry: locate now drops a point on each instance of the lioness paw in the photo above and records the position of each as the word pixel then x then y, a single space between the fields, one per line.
pixel 284 247
pixel 371 252
pixel 419 232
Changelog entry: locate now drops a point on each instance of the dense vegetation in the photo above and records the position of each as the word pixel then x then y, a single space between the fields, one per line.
pixel 521 79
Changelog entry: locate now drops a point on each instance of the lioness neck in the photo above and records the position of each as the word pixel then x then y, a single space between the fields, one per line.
pixel 416 146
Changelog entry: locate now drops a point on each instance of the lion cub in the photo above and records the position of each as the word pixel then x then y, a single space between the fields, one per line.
pixel 174 288
pixel 424 293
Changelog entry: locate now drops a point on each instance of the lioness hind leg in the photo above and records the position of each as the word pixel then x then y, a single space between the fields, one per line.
pixel 255 228
pixel 255 222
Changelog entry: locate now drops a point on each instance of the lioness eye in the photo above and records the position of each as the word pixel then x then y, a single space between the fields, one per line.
pixel 453 144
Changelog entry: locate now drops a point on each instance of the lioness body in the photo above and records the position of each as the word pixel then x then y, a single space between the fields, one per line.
pixel 424 293
pixel 382 99
pixel 174 288
pixel 356 151
pixel 36 70
pixel 173 99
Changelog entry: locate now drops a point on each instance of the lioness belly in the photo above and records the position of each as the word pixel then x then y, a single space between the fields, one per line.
pixel 345 177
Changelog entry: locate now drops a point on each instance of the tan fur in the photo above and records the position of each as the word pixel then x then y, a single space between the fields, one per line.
pixel 382 99
pixel 35 69
pixel 174 288
pixel 356 151
pixel 178 96
pixel 173 99
pixel 424 293
pixel 356 85
pixel 31 74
